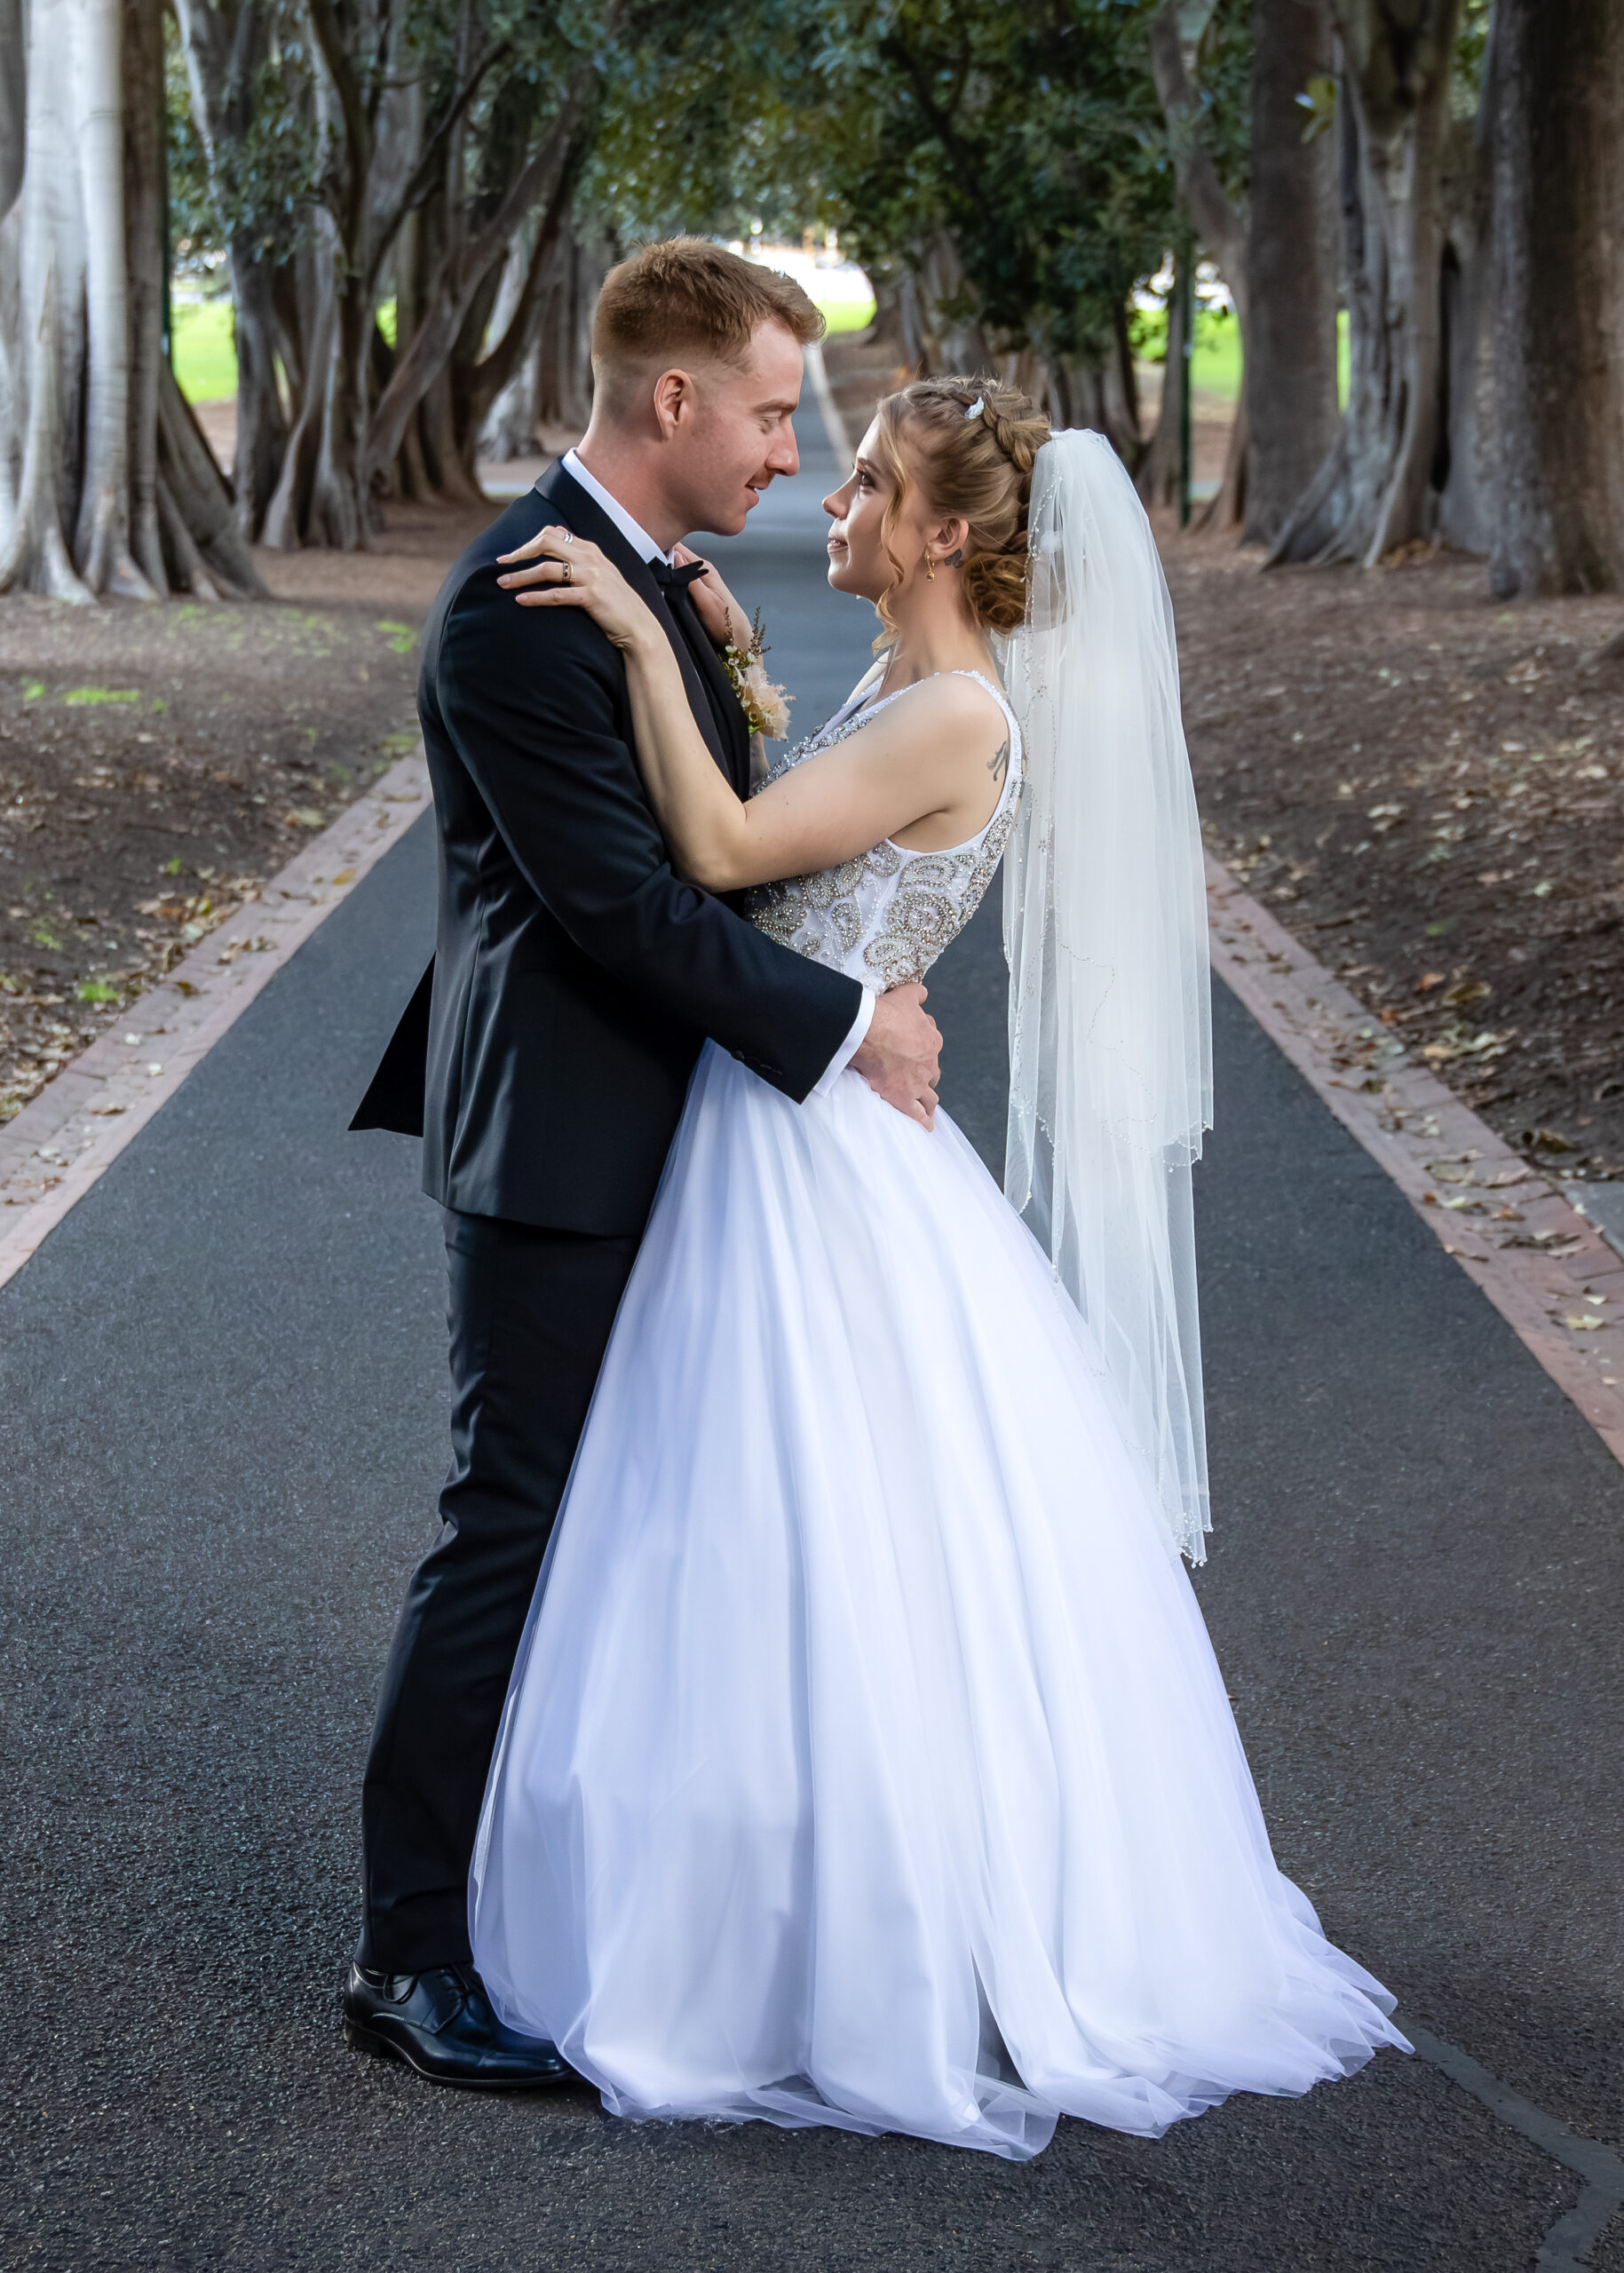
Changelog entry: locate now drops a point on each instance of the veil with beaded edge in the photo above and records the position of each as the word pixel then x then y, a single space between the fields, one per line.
pixel 1106 935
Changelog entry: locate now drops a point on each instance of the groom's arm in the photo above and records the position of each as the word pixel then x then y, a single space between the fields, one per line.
pixel 533 704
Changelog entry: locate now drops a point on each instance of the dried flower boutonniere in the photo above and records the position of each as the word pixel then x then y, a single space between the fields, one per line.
pixel 766 706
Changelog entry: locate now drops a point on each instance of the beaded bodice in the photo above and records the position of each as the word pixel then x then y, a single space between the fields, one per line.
pixel 884 916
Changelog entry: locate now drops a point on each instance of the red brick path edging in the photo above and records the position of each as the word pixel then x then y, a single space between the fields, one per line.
pixel 52 1152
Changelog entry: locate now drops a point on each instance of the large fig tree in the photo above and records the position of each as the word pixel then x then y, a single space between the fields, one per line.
pixel 1556 91
pixel 105 483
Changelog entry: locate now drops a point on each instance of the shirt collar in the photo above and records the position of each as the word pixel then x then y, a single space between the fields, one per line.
pixel 634 534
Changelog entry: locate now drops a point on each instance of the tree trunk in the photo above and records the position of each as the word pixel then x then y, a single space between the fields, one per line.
pixel 477 383
pixel 262 422
pixel 468 266
pixel 13 82
pixel 1160 471
pixel 937 338
pixel 339 511
pixel 1467 470
pixel 428 466
pixel 1220 225
pixel 316 316
pixel 910 318
pixel 145 163
pixel 1227 508
pixel 101 450
pixel 956 343
pixel 563 383
pixel 13 413
pixel 1377 488
pixel 52 364
pixel 508 428
pixel 101 547
pixel 1290 375
pixel 1100 395
pixel 223 45
pixel 552 386
pixel 210 557
pixel 1556 89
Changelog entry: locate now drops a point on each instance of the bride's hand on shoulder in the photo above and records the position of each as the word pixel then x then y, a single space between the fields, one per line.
pixel 723 617
pixel 563 570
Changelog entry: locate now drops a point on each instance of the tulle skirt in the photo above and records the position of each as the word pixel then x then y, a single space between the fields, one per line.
pixel 866 1760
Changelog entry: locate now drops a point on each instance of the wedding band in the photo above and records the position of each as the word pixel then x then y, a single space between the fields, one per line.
pixel 564 576
pixel 568 535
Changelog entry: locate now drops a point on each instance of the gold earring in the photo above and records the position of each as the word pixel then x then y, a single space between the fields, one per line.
pixel 930 569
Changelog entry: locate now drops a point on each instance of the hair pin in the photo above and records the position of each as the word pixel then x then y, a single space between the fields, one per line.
pixel 976 406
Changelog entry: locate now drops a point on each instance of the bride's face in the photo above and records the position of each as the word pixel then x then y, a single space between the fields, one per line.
pixel 858 561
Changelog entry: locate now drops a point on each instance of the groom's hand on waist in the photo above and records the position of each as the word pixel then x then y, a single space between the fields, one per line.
pixel 901 1058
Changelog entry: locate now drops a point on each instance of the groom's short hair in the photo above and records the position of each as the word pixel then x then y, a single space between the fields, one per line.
pixel 689 298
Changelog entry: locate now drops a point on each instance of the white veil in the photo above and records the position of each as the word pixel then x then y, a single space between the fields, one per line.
pixel 1105 932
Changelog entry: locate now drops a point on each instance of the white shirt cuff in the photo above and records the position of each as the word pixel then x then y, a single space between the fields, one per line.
pixel 850 1047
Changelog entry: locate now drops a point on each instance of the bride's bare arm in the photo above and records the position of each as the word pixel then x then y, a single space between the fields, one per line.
pixel 938 754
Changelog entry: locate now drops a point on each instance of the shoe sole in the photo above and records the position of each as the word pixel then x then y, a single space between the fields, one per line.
pixel 382 2047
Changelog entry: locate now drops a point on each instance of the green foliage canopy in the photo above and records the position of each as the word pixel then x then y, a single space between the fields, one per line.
pixel 1029 138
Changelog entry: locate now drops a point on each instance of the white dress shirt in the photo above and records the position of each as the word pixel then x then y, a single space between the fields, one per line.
pixel 646 548
pixel 636 535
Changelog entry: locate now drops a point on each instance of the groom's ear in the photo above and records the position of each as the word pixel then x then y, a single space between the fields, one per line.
pixel 676 402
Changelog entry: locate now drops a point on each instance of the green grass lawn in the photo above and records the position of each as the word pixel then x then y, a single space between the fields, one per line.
pixel 203 350
pixel 1215 364
pixel 846 315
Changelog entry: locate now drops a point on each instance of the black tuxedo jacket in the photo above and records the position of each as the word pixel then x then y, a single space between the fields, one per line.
pixel 544 1056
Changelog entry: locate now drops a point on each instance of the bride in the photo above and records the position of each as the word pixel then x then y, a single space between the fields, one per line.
pixel 866 1761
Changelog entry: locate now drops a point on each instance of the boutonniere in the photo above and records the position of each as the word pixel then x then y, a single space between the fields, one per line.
pixel 765 706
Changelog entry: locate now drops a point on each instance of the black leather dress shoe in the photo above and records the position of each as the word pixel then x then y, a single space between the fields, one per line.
pixel 441 2024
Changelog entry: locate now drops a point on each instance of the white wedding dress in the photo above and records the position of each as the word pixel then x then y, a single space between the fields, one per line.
pixel 866 1760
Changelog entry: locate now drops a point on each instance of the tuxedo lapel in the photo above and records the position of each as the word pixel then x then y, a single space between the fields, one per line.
pixel 711 668
pixel 570 502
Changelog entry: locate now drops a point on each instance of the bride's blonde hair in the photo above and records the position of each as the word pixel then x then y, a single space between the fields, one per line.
pixel 978 466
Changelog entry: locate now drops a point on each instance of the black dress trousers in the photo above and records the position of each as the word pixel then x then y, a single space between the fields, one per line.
pixel 531 1310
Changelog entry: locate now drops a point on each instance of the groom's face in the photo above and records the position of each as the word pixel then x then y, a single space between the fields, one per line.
pixel 742 434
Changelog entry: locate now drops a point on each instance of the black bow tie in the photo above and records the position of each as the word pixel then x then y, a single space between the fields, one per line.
pixel 677 580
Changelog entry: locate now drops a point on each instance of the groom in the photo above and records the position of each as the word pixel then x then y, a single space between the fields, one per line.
pixel 544 1058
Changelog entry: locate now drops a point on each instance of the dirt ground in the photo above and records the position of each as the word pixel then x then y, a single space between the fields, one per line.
pixel 1426 786
pixel 156 763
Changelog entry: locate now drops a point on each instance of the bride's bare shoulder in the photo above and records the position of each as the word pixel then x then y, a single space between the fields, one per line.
pixel 951 704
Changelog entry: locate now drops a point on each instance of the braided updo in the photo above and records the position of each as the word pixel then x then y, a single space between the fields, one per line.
pixel 979 468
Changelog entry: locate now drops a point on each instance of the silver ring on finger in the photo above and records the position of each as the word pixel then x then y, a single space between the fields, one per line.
pixel 563 576
pixel 568 535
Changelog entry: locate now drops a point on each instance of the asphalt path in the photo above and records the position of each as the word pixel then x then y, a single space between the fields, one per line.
pixel 223 1384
